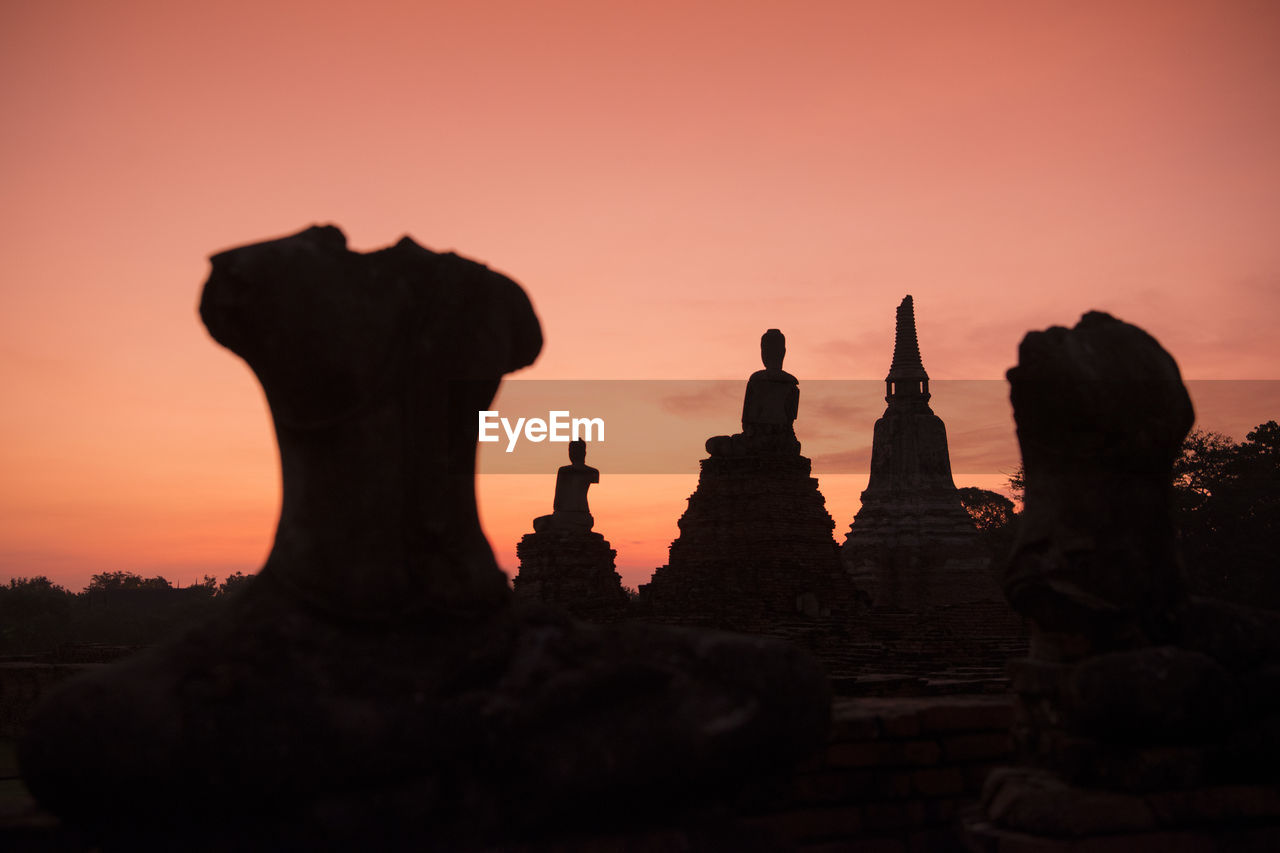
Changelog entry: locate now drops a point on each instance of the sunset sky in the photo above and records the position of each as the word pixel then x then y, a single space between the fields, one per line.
pixel 667 180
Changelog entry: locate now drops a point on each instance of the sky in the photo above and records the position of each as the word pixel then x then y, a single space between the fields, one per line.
pixel 666 181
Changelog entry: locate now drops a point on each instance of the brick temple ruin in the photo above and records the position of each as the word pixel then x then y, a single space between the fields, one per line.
pixel 755 550
pixel 564 561
pixel 1142 718
pixel 447 717
pixel 919 613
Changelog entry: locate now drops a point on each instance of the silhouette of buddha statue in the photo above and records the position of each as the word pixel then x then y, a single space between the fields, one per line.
pixel 569 508
pixel 768 408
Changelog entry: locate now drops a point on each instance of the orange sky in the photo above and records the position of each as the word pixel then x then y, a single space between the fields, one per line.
pixel 666 181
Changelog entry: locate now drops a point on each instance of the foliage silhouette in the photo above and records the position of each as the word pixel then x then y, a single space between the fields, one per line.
pixel 995 517
pixel 1227 506
pixel 38 616
pixel 1227 512
pixel 35 613
pixel 234 583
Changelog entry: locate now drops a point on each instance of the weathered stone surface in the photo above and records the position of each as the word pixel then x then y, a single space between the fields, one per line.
pixel 1155 693
pixel 277 719
pixel 563 561
pixel 957 648
pixel 1101 413
pixel 374 366
pixel 21 686
pixel 755 547
pixel 1228 802
pixel 1141 708
pixel 1090 761
pixel 912 545
pixel 570 510
pixel 1039 803
pixel 572 569
pixel 1120 651
pixel 1242 639
pixel 375 685
pixel 1250 751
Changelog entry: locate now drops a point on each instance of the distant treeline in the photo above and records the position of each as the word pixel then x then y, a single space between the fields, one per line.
pixel 116 608
pixel 1226 507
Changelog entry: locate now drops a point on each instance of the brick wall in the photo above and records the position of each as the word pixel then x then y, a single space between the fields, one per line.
pixel 895 775
pixel 22 685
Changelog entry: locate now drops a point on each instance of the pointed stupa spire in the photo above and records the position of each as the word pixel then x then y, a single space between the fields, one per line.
pixel 906 373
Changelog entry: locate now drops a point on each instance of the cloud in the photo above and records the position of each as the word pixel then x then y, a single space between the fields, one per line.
pixel 867 353
pixel 857 461
pixel 714 397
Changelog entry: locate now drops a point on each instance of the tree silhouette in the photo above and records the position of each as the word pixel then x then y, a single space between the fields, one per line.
pixel 234 583
pixel 1227 508
pixel 35 613
pixel 994 515
pixel 117 609
pixel 118 581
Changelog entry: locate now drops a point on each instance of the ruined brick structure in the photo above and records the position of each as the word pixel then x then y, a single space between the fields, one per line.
pixel 563 561
pixel 912 545
pixel 755 548
pixel 573 569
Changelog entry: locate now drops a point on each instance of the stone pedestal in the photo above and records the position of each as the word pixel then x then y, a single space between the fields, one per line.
pixel 573 569
pixel 755 548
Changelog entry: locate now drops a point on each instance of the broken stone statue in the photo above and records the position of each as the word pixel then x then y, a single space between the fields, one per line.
pixel 569 509
pixel 1143 710
pixel 563 561
pixel 375 683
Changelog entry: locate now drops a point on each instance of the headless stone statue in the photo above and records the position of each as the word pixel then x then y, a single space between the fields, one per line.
pixel 375 680
pixel 769 407
pixel 569 508
pixel 1134 693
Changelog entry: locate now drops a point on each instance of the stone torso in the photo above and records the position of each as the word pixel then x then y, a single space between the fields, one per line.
pixel 572 482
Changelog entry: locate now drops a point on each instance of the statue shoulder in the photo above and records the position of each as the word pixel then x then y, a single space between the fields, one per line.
pixel 767 375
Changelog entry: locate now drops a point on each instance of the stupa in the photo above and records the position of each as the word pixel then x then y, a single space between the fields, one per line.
pixel 912 545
